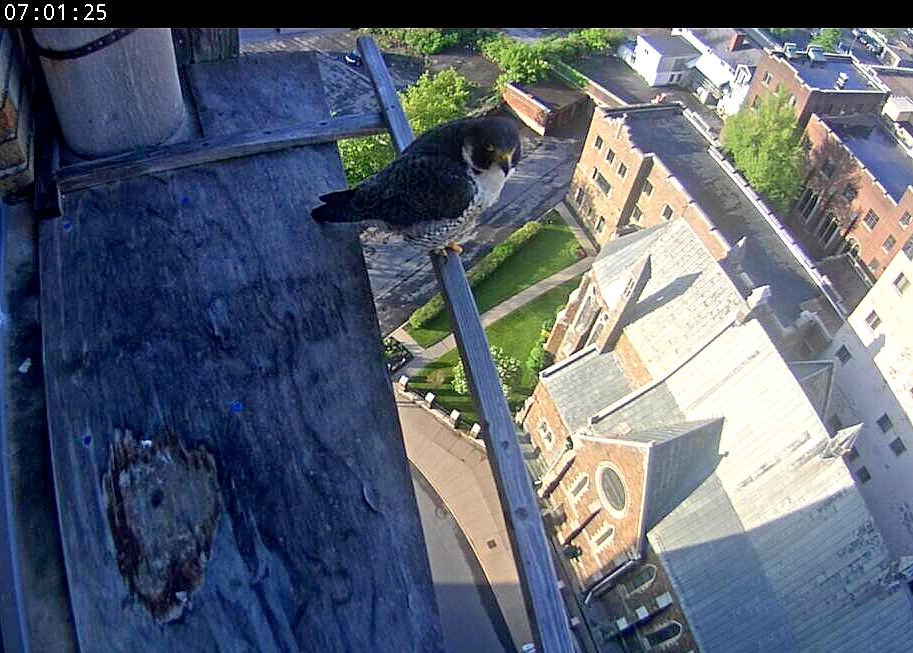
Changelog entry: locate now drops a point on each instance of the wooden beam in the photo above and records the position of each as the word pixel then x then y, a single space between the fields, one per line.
pixel 209 150
pixel 390 106
pixel 544 605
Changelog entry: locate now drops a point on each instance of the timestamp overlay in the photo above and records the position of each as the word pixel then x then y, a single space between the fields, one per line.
pixel 61 13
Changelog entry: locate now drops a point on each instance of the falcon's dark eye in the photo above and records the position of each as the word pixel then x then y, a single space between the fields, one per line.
pixel 490 148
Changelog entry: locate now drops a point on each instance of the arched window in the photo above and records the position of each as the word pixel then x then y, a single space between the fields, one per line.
pixel 641 580
pixel 668 633
pixel 854 248
pixel 612 491
pixel 597 330
pixel 828 228
pixel 545 432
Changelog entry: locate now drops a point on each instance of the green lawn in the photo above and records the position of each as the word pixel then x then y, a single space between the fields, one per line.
pixel 549 251
pixel 516 334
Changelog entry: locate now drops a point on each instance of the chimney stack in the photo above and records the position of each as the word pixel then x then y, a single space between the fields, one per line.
pixel 736 40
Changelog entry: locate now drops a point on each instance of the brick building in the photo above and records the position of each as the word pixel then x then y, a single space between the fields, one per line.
pixel 646 165
pixel 858 194
pixel 545 105
pixel 817 82
pixel 707 503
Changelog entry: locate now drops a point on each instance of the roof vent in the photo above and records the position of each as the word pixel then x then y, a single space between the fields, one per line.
pixel 789 49
pixel 816 54
pixel 842 79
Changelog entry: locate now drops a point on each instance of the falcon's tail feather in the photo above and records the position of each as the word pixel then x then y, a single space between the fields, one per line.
pixel 336 208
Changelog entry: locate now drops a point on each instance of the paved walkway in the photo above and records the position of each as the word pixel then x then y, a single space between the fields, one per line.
pixel 423 356
pixel 459 472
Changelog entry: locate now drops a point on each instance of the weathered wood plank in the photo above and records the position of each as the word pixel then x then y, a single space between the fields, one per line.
pixel 544 604
pixel 203 310
pixel 390 106
pixel 204 44
pixel 209 150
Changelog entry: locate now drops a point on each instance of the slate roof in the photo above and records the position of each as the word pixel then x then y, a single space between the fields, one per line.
pixel 668 135
pixel 786 556
pixel 670 46
pixel 687 298
pixel 583 384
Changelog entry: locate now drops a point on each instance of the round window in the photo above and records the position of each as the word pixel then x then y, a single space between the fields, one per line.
pixel 612 488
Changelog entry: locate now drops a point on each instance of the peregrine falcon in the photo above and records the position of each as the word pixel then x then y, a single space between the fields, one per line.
pixel 438 187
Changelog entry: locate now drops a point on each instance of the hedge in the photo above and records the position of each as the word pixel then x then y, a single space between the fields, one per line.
pixel 433 307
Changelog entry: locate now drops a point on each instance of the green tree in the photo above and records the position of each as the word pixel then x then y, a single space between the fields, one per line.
pixel 782 31
pixel 765 145
pixel 508 369
pixel 433 99
pixel 828 38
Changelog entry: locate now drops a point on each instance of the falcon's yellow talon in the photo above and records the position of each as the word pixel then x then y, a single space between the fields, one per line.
pixel 454 247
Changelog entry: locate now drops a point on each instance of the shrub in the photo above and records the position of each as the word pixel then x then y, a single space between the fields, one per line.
pixel 481 271
pixel 538 358
pixel 507 367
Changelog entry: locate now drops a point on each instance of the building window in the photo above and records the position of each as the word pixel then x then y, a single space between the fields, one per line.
pixel 636 214
pixel 602 182
pixel 667 212
pixel 580 487
pixel 777 88
pixel 600 225
pixel 622 170
pixel 578 197
pixel 604 536
pixel 849 193
pixel 641 580
pixel 871 219
pixel 828 168
pixel 853 454
pixel 843 354
pixel 873 320
pixel 648 188
pixel 905 219
pixel 610 155
pixel 598 142
pixel 669 632
pixel 885 423
pixel 897 446
pixel 792 101
pixel 545 432
pixel 901 283
pixel 889 243
pixel 767 77
pixel 908 248
pixel 612 490
pixel 756 102
pixel 874 264
pixel 863 475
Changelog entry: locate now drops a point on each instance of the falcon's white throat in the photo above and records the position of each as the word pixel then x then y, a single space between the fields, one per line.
pixel 489 181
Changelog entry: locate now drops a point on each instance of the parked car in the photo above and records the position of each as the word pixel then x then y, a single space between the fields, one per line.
pixel 353 58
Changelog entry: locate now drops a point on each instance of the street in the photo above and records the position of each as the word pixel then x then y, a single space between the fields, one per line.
pixel 469 613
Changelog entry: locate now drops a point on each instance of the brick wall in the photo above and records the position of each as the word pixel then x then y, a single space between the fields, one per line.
pixel 826 151
pixel 807 99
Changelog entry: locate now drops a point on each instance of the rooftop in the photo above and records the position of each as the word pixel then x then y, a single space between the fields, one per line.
pixel 666 133
pixel 670 46
pixel 824 75
pixel 846 277
pixel 553 93
pixel 718 38
pixel 898 80
pixel 870 142
pixel 785 534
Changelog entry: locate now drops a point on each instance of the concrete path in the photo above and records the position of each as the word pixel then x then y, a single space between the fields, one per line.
pixel 459 472
pixel 421 357
pixel 582 236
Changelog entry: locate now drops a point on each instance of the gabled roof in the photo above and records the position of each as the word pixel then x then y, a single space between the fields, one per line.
pixel 583 384
pixel 670 137
pixel 687 297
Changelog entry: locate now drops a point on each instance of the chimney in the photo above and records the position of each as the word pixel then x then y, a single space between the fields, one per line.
pixel 736 40
pixel 789 49
pixel 842 79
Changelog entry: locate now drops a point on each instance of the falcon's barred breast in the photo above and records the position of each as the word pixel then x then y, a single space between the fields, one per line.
pixel 438 187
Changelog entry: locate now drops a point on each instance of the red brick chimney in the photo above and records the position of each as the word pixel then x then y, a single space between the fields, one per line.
pixel 735 42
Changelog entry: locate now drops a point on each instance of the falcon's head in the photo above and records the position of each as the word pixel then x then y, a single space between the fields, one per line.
pixel 492 144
